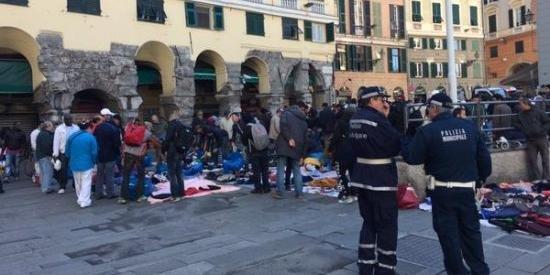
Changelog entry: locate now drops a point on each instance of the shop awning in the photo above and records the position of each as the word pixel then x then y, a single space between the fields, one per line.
pixel 250 79
pixel 148 76
pixel 205 74
pixel 528 76
pixel 15 76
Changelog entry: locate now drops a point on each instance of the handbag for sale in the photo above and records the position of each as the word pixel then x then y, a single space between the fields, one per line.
pixel 406 197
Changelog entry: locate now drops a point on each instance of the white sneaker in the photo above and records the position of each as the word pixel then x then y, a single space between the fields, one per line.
pixel 346 200
pixel 61 191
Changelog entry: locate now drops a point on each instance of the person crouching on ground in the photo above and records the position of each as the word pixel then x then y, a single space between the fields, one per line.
pixel 81 149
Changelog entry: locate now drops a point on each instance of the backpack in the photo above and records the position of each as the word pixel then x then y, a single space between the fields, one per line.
pixel 260 138
pixel 183 138
pixel 134 135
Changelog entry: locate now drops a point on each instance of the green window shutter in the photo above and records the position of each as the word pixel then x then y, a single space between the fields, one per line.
pixel 412 70
pixel 464 70
pixel 348 58
pixel 390 60
pixel 368 58
pixel 445 69
pixel 330 32
pixel 416 11
pixel 425 69
pixel 341 16
pixel 433 70
pixel 402 60
pixel 411 42
pixel 74 6
pixel 377 20
pixel 432 43
pixel 190 14
pixel 218 18
pixel 475 45
pixel 424 43
pixel 456 14
pixel 436 10
pixel 477 70
pixel 307 30
pixel 444 44
pixel 463 45
pixel 255 23
pixel 473 16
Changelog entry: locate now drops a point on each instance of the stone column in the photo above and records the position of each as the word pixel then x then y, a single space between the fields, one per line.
pixel 182 103
pixel 184 95
pixel 229 100
pixel 274 100
pixel 301 83
pixel 130 106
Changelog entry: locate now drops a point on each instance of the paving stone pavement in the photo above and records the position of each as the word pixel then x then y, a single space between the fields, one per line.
pixel 233 233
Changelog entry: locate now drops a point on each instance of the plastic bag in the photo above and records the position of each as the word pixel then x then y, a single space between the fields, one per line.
pixel 234 162
pixel 193 169
pixel 406 197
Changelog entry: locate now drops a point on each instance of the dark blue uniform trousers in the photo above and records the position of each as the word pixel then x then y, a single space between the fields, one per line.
pixel 456 221
pixel 378 240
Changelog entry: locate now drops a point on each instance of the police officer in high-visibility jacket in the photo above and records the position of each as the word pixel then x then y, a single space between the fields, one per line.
pixel 455 156
pixel 375 142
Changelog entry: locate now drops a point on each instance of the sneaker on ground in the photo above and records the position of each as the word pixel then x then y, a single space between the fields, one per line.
pixel 346 200
pixel 122 201
pixel 61 191
pixel 141 199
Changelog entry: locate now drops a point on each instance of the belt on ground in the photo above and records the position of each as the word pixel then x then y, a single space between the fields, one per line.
pixel 454 184
pixel 374 161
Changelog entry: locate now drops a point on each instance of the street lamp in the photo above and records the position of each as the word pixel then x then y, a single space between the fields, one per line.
pixel 529 16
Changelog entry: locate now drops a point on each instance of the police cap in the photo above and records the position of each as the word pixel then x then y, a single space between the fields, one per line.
pixel 368 92
pixel 442 100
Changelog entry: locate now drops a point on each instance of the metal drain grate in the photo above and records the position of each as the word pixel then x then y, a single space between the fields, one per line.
pixel 420 250
pixel 524 243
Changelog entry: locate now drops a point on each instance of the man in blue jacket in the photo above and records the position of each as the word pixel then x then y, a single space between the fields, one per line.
pixel 375 142
pixel 455 156
pixel 81 149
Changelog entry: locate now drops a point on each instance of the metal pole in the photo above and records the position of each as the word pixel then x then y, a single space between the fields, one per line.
pixel 451 51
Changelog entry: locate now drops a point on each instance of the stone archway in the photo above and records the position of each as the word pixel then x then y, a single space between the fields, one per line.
pixel 87 103
pixel 255 79
pixel 20 78
pixel 210 76
pixel 316 86
pixel 518 67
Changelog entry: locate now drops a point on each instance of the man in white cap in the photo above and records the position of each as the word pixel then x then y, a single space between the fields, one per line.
pixel 61 134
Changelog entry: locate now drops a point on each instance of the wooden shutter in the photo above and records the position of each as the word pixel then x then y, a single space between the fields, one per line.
pixel 368 58
pixel 473 16
pixel 444 43
pixel 93 7
pixel 16 2
pixel 425 69
pixel 330 32
pixel 402 60
pixel 307 30
pixel 463 46
pixel 393 22
pixel 436 9
pixel 376 13
pixel 411 42
pixel 464 70
pixel 424 43
pixel 260 23
pixel 456 14
pixel 432 43
pixel 475 45
pixel 433 70
pixel 401 21
pixel 445 69
pixel 218 18
pixel 523 12
pixel 366 19
pixel 351 5
pixel 412 70
pixel 342 16
pixel 477 70
pixel 191 20
pixel 349 58
pixel 390 61
pixel 511 18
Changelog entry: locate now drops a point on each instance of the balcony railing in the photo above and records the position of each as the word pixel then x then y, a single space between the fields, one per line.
pixel 256 1
pixel 290 4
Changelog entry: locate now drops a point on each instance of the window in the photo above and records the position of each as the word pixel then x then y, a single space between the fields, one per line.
pixel 342 16
pixel 416 11
pixel 460 45
pixel 493 52
pixel 318 33
pixel 461 70
pixel 84 6
pixel 492 23
pixel 519 46
pixel 255 23
pixel 340 58
pixel 417 42
pixel 473 16
pixel 151 11
pixel 397 60
pixel 456 14
pixel 438 44
pixel 358 58
pixel 351 15
pixel 438 70
pixel 397 21
pixel 15 2
pixel 201 16
pixel 419 70
pixel 367 30
pixel 290 28
pixel 436 10
pixel 477 70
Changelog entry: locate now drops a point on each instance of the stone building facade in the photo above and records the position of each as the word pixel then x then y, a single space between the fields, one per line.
pixel 427 47
pixel 370 46
pixel 85 59
pixel 510 38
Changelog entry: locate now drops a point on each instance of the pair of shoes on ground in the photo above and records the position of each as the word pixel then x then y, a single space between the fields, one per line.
pixel 125 201
pixel 347 199
pixel 277 195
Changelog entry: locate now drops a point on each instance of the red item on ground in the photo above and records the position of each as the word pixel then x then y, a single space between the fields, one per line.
pixel 406 197
pixel 192 191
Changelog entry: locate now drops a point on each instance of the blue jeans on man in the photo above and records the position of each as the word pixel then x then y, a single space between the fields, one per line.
pixel 297 175
pixel 12 164
pixel 47 181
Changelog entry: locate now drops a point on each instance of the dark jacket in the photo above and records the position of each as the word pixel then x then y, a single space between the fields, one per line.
pixel 451 149
pixel 339 146
pixel 534 123
pixel 169 144
pixel 15 139
pixel 44 144
pixel 293 126
pixel 247 142
pixel 108 139
pixel 326 116
pixel 505 120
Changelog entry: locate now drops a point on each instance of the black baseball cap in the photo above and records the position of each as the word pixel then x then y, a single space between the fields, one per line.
pixel 442 100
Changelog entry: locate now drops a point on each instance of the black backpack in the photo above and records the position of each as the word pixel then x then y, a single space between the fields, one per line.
pixel 183 138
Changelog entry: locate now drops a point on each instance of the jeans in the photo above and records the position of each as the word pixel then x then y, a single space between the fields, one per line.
pixel 61 175
pixel 281 165
pixel 83 187
pixel 129 162
pixel 534 148
pixel 177 186
pixel 456 222
pixel 260 172
pixel 105 177
pixel 12 164
pixel 46 174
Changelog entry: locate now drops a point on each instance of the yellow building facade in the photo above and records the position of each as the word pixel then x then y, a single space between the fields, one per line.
pixel 141 57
